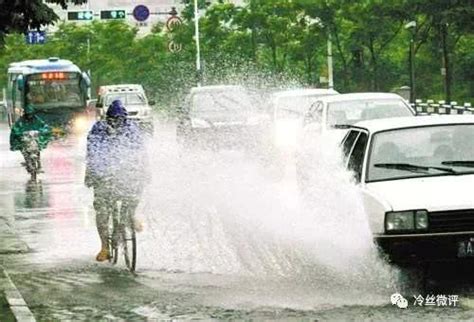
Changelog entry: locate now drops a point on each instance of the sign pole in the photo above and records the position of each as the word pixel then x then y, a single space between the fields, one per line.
pixel 196 36
pixel 89 50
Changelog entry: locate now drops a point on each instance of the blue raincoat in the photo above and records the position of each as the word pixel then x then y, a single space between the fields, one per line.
pixel 116 159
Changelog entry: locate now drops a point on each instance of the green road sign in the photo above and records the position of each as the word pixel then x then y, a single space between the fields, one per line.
pixel 80 15
pixel 112 14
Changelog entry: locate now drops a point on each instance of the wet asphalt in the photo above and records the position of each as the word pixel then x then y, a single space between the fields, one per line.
pixel 185 274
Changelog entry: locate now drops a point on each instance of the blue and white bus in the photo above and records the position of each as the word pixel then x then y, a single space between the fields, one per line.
pixel 57 88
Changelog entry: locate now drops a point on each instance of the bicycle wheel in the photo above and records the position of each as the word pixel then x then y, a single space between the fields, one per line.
pixel 129 243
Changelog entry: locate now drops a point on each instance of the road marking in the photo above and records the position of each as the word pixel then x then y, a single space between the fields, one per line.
pixel 16 302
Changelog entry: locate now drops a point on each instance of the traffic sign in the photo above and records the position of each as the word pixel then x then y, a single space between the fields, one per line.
pixel 174 47
pixel 80 15
pixel 173 22
pixel 35 37
pixel 112 14
pixel 141 12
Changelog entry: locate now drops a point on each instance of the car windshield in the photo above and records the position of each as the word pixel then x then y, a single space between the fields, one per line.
pixel 225 100
pixel 422 151
pixel 351 112
pixel 126 98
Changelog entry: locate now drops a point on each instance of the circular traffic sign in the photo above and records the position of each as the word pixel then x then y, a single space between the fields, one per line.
pixel 173 22
pixel 174 47
pixel 141 12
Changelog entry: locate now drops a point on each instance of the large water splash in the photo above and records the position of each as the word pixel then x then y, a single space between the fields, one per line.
pixel 224 213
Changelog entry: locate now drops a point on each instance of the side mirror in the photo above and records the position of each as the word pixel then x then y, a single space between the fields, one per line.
pixel 20 82
pixel 152 102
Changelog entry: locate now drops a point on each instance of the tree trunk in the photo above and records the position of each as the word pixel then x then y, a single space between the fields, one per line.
pixel 309 69
pixel 274 55
pixel 375 79
pixel 254 45
pixel 446 62
pixel 343 58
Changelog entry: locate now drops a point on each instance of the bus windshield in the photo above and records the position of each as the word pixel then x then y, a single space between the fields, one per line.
pixel 63 91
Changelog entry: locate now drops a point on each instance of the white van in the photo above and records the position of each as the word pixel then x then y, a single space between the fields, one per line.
pixel 132 96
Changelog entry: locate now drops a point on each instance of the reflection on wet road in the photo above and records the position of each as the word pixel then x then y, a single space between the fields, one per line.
pixel 222 240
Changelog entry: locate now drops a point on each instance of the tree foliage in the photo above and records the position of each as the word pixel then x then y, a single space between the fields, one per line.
pixel 19 16
pixel 280 41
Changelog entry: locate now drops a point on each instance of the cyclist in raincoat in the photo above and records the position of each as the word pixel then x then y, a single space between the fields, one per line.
pixel 29 122
pixel 116 168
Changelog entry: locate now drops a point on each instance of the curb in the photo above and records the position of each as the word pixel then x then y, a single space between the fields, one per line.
pixel 15 301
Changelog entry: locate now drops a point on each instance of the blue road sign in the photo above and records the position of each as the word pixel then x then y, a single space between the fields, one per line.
pixel 141 12
pixel 35 37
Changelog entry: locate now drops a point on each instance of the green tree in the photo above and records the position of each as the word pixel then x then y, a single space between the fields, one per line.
pixel 19 16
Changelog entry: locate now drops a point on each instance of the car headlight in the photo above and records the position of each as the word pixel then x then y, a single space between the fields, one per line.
pixel 421 219
pixel 406 220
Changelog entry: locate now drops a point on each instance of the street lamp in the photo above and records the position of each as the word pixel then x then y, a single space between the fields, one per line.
pixel 412 27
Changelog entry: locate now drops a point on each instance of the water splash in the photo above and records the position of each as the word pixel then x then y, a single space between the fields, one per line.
pixel 221 213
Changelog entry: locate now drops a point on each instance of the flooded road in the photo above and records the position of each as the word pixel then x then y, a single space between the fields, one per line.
pixel 223 239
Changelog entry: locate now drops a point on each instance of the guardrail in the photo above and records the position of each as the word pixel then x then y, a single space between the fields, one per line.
pixel 441 107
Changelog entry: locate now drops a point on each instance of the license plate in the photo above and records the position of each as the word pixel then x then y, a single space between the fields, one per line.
pixel 466 248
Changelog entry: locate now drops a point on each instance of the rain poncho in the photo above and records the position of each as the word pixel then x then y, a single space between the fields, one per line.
pixel 33 123
pixel 116 159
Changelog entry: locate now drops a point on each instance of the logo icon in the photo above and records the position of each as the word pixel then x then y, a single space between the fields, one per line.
pixel 398 300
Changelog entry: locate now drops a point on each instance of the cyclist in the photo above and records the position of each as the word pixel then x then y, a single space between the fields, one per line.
pixel 116 168
pixel 29 122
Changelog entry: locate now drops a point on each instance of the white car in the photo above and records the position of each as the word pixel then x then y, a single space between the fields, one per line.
pixel 289 108
pixel 416 176
pixel 133 97
pixel 327 120
pixel 332 112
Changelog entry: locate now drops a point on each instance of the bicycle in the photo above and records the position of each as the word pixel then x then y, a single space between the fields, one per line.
pixel 122 236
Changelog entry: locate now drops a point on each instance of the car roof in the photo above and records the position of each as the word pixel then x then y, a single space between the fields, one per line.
pixel 105 89
pixel 414 121
pixel 212 88
pixel 304 92
pixel 42 65
pixel 358 96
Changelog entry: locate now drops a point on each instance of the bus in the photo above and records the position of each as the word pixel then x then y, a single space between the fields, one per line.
pixel 57 89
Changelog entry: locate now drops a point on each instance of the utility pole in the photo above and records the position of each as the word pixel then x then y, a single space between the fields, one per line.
pixel 330 73
pixel 196 38
pixel 412 27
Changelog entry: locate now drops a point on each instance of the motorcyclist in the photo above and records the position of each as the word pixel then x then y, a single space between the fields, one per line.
pixel 29 122
pixel 116 168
